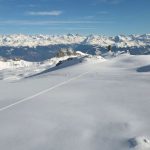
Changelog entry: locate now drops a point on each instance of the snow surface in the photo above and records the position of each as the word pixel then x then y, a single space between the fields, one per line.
pixel 12 69
pixel 84 104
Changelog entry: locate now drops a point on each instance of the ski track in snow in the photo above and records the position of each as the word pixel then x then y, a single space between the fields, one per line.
pixel 106 111
pixel 42 92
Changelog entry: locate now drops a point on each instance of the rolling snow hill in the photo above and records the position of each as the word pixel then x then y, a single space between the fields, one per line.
pixel 82 104
pixel 17 69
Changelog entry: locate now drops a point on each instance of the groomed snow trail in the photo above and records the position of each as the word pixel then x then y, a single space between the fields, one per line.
pixel 42 92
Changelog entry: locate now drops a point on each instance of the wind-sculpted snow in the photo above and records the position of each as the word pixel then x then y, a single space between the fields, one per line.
pixel 140 143
pixel 144 69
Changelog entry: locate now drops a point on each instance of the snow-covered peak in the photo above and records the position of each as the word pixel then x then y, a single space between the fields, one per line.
pixel 17 40
pixel 98 40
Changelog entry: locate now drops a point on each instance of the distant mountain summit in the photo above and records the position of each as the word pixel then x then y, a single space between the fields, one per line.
pixel 17 40
pixel 38 48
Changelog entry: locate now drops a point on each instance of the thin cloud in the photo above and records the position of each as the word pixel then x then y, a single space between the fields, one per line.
pixel 103 13
pixel 88 17
pixel 108 1
pixel 71 28
pixel 37 23
pixel 112 1
pixel 26 5
pixel 45 13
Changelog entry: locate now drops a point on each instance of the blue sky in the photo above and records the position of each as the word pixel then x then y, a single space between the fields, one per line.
pixel 105 17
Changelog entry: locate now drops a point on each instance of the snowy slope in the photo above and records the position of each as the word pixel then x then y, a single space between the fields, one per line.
pixel 90 105
pixel 12 69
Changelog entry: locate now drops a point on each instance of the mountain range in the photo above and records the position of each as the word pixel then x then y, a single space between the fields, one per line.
pixel 38 48
pixel 17 40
